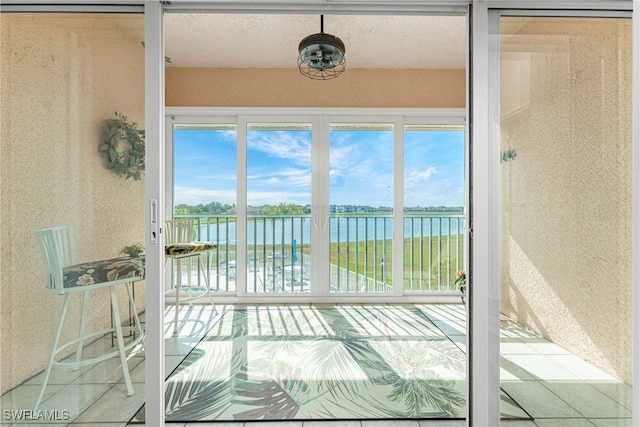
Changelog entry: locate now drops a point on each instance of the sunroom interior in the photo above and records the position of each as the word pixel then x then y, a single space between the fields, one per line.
pixel 566 217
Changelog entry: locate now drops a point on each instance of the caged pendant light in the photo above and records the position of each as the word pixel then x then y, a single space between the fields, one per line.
pixel 321 55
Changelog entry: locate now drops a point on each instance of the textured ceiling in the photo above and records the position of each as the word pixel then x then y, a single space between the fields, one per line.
pixel 271 41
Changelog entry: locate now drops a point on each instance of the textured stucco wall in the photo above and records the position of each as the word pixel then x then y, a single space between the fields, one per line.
pixel 62 76
pixel 356 88
pixel 567 197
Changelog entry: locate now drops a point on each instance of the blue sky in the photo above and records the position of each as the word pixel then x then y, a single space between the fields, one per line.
pixel 279 167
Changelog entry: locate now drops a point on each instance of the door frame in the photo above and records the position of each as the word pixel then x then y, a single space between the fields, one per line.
pixel 483 328
pixel 492 129
pixel 484 363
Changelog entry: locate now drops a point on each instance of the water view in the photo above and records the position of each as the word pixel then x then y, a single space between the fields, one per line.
pixel 269 230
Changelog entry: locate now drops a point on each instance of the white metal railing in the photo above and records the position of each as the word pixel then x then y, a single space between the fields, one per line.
pixel 279 251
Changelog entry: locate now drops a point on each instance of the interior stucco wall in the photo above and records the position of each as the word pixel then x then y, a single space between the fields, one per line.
pixel 62 76
pixel 567 196
pixel 355 88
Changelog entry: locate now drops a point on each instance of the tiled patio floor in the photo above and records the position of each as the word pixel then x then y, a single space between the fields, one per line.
pixel 554 387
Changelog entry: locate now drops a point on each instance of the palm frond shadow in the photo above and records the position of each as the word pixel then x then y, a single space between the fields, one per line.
pixel 271 398
pixel 421 396
pixel 353 368
pixel 200 389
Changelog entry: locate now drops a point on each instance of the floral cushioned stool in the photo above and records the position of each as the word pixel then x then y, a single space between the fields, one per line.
pixel 96 272
pixel 64 276
pixel 180 245
pixel 177 250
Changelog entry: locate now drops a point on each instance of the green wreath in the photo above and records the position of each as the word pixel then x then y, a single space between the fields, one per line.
pixel 123 147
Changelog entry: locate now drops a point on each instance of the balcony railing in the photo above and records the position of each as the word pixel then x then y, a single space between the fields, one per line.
pixel 279 252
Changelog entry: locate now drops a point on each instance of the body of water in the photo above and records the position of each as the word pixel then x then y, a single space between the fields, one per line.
pixel 284 230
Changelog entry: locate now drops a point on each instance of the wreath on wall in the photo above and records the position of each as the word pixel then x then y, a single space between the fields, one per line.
pixel 123 147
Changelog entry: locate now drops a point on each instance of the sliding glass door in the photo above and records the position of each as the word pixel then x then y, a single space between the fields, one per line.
pixel 566 187
pixel 66 165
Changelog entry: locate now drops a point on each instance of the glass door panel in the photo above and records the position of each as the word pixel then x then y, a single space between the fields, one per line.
pixel 65 163
pixel 205 188
pixel 434 213
pixel 278 207
pixel 566 187
pixel 361 170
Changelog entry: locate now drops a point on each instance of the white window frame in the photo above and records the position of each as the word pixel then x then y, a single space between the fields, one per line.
pixel 320 119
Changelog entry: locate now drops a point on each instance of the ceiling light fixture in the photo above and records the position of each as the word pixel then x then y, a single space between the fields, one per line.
pixel 321 55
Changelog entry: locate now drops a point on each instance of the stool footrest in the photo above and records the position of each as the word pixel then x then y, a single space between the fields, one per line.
pixel 188 294
pixel 102 357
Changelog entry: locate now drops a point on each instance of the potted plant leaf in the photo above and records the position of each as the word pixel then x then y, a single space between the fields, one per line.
pixel 461 284
pixel 133 250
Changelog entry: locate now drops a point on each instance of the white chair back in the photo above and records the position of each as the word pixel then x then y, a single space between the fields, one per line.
pixel 179 230
pixel 58 247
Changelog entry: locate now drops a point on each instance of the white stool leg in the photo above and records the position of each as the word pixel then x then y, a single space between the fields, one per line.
pixel 54 350
pixel 178 290
pixel 83 326
pixel 189 268
pixel 120 339
pixel 132 304
pixel 208 283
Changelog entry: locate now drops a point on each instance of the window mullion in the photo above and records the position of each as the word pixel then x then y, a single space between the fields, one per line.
pixel 241 215
pixel 398 206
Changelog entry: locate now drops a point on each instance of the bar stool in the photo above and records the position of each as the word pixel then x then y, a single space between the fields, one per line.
pixel 180 246
pixel 64 277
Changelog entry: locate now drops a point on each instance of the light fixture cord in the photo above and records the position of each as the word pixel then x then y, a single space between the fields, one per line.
pixel 321 23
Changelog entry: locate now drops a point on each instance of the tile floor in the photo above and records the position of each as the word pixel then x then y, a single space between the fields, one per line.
pixel 555 387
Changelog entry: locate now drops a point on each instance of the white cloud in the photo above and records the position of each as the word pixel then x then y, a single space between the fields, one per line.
pixel 193 196
pixel 258 198
pixel 283 145
pixel 417 177
pixel 221 176
pixel 271 181
pixel 289 177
